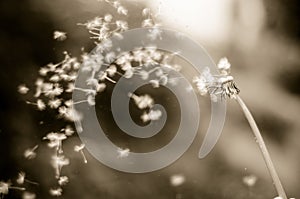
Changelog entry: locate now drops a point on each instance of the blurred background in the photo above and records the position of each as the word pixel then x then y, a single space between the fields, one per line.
pixel 259 37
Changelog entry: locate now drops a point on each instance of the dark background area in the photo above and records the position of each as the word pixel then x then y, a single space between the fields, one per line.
pixel 268 75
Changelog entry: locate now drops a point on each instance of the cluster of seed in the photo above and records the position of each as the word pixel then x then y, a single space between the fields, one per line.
pixel 55 85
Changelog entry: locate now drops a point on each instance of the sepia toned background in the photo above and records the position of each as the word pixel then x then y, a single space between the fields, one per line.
pixel 261 40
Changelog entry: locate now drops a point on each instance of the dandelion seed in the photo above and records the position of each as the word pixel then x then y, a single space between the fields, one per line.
pixel 110 57
pixel 30 153
pixel 122 153
pixel 70 88
pixel 28 195
pixel 146 12
pixel 154 83
pixel 163 80
pixel 69 130
pixel 250 180
pixel 58 162
pixel 143 101
pixel 54 78
pixel 69 103
pixel 224 66
pixel 111 70
pixel 4 187
pixel 51 90
pixel 56 192
pixel 144 74
pixel 122 25
pixel 54 103
pixel 60 36
pixel 147 23
pixel 155 33
pixel 103 75
pixel 43 71
pixel 122 10
pixel 40 105
pixel 23 89
pixel 91 100
pixel 108 17
pixel 21 178
pixel 55 140
pixel 152 115
pixel 79 148
pixel 177 180
pixel 63 180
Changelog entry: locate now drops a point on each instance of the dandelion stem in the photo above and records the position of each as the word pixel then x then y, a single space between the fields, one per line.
pixel 263 148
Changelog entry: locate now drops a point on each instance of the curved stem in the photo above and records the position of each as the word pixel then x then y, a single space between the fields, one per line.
pixel 263 148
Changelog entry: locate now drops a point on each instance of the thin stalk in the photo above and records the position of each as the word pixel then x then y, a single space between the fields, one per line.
pixel 263 148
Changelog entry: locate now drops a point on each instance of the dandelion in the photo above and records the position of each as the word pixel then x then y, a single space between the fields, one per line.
pixel 30 153
pixel 23 89
pixel 60 36
pixel 122 153
pixel 79 148
pixel 224 86
pixel 177 180
pixel 56 192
